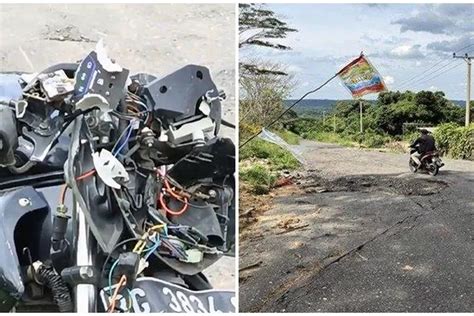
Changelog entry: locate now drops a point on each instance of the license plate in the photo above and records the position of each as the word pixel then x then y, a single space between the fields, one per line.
pixel 151 295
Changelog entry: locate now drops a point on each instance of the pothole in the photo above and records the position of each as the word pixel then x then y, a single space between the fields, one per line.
pixel 314 183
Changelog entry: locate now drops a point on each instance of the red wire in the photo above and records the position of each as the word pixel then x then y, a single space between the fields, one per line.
pixel 85 175
pixel 169 190
pixel 170 211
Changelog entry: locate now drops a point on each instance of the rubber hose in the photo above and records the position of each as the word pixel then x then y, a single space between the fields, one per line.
pixel 53 280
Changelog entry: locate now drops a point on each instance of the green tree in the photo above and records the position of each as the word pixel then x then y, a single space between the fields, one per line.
pixel 260 27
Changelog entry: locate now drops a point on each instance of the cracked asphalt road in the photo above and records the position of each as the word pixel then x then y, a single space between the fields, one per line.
pixel 379 239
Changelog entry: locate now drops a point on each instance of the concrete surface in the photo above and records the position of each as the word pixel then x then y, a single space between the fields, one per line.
pixel 154 38
pixel 377 238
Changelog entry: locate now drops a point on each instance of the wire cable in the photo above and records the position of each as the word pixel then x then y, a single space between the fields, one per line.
pixel 287 109
pixel 438 72
pixel 404 83
pixel 111 272
pixel 437 75
pixel 129 128
pixel 122 282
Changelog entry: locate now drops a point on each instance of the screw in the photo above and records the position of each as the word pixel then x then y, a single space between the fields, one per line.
pixel 24 202
pixel 212 193
pixel 43 125
pixel 86 272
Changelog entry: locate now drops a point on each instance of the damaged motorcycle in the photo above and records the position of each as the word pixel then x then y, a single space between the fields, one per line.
pixel 116 191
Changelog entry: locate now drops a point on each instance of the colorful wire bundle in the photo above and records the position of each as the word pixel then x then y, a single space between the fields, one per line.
pixel 172 193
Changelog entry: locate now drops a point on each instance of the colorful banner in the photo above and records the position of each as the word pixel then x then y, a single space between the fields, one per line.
pixel 361 78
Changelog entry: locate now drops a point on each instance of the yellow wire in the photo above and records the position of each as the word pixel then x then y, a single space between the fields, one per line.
pixel 141 244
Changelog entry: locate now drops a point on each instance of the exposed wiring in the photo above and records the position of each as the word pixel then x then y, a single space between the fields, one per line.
pixel 122 282
pixel 111 272
pixel 170 211
pixel 62 196
pixel 154 248
pixel 129 128
pixel 171 192
pixel 123 242
pixel 86 175
pixel 140 245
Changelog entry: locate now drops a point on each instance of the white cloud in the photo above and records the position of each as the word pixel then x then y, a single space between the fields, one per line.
pixel 388 79
pixel 406 51
pixel 294 68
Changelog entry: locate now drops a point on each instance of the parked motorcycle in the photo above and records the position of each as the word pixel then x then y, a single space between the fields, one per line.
pixel 430 162
pixel 116 191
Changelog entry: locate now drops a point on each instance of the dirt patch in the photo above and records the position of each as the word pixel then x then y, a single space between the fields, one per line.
pixel 251 206
pixel 67 33
pixel 315 183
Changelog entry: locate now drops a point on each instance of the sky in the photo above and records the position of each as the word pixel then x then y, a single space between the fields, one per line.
pixel 403 41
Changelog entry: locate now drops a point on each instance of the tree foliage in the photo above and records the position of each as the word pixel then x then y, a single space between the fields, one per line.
pixel 262 98
pixel 384 119
pixel 260 27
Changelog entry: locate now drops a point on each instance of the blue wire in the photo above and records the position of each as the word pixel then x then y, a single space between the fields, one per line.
pixel 121 136
pixel 130 129
pixel 110 275
pixel 153 249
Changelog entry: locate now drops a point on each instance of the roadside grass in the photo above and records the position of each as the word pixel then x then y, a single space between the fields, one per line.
pixel 261 164
pixel 288 136
pixel 278 158
pixel 259 177
pixel 330 137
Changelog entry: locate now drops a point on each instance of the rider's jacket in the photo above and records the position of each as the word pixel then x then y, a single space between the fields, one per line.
pixel 426 143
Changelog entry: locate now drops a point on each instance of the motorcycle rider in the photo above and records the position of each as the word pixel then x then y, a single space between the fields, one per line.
pixel 424 144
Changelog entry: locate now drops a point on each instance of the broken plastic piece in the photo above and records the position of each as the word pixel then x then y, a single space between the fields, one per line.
pixel 193 256
pixel 56 84
pixel 142 265
pixel 98 75
pixel 109 168
pixel 20 108
pixel 194 131
pixel 104 60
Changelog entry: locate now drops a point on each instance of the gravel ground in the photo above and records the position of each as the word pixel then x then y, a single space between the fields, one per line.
pixel 359 233
pixel 155 38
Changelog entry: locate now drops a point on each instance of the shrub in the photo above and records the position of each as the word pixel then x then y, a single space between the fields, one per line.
pixel 278 157
pixel 259 178
pixel 373 140
pixel 455 141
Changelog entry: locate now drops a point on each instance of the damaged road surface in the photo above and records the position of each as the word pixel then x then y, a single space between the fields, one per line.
pixel 373 238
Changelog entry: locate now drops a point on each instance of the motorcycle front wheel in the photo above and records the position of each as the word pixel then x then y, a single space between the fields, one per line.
pixel 433 169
